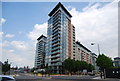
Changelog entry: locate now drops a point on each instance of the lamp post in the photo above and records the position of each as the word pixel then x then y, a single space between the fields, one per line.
pixel 97 46
pixel 104 71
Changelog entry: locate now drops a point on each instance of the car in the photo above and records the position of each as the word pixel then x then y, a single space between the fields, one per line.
pixel 6 78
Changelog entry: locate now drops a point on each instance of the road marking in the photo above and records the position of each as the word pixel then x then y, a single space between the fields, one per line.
pixel 97 78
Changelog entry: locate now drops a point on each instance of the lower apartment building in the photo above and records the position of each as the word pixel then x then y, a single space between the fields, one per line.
pixel 40 52
pixel 83 53
pixel 94 57
pixel 117 62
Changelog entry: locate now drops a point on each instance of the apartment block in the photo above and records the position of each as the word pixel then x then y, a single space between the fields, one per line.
pixel 60 38
pixel 83 53
pixel 40 52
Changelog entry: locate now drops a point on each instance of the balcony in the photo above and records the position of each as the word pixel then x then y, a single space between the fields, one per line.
pixel 56 16
pixel 56 64
pixel 58 34
pixel 58 31
pixel 55 28
pixel 56 37
pixel 57 40
pixel 56 20
pixel 55 24
pixel 56 51
pixel 55 56
pixel 55 43
pixel 56 48
pixel 55 60
pixel 53 34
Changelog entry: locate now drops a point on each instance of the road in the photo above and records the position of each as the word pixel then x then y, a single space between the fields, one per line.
pixel 28 77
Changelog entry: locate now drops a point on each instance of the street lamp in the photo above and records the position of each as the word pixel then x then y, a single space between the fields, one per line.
pixel 98 47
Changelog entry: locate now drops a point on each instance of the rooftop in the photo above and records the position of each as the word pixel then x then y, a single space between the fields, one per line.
pixel 83 46
pixel 117 58
pixel 56 8
pixel 41 37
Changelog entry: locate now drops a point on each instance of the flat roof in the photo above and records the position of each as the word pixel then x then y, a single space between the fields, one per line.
pixel 117 58
pixel 56 8
pixel 83 46
pixel 41 37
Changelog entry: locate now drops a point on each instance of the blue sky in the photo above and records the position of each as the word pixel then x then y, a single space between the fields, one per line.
pixel 24 22
pixel 22 16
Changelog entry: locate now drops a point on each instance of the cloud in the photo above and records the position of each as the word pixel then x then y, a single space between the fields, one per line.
pixel 20 53
pixel 5 43
pixel 96 23
pixel 9 35
pixel 20 45
pixel 38 30
pixel 18 59
pixel 1 34
pixel 2 20
pixel 11 51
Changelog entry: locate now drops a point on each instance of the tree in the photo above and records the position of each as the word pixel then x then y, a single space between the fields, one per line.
pixel 69 65
pixel 104 62
pixel 84 65
pixel 5 67
pixel 90 67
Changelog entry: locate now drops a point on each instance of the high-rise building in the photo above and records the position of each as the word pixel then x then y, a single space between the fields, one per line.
pixel 60 38
pixel 83 53
pixel 40 52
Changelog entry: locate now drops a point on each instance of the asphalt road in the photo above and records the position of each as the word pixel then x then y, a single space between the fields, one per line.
pixel 27 77
pixel 64 80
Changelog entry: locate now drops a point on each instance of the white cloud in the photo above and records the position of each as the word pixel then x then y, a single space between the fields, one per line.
pixel 20 58
pixel 11 51
pixel 9 35
pixel 21 45
pixel 98 24
pixel 2 20
pixel 20 53
pixel 1 34
pixel 38 30
pixel 5 43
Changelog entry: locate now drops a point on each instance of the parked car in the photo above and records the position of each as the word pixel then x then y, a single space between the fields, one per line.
pixel 6 78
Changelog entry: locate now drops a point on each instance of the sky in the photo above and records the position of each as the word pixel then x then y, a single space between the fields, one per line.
pixel 23 22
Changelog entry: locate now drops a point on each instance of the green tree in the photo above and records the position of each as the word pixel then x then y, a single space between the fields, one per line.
pixel 76 66
pixel 84 65
pixel 90 67
pixel 69 65
pixel 104 62
pixel 5 67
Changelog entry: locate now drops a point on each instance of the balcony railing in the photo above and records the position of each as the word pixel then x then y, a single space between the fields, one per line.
pixel 56 37
pixel 56 48
pixel 56 51
pixel 56 33
pixel 56 60
pixel 55 56
pixel 56 40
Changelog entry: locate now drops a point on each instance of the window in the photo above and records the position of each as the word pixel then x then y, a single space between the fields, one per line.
pixel 7 79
